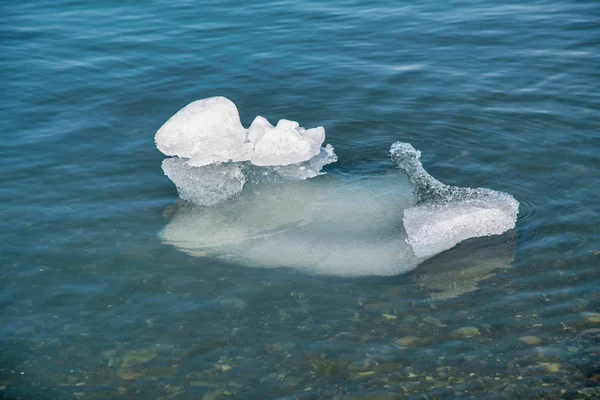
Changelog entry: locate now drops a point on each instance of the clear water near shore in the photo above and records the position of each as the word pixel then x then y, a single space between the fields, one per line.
pixel 94 304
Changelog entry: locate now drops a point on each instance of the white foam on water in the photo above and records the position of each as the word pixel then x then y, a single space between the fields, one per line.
pixel 208 185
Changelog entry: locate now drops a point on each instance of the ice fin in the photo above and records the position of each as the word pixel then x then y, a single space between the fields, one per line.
pixel 446 215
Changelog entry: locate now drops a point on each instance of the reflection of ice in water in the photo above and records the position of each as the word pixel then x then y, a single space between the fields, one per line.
pixel 459 270
pixel 266 212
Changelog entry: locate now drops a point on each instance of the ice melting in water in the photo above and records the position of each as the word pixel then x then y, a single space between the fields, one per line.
pixel 376 225
pixel 446 215
pixel 209 131
pixel 215 156
pixel 329 225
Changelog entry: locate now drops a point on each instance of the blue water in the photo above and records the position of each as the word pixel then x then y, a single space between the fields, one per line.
pixel 498 95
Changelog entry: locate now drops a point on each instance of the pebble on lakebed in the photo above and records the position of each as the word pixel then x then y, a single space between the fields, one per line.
pixel 222 367
pixel 138 356
pixel 592 317
pixel 530 340
pixel 412 341
pixel 467 331
pixel 550 367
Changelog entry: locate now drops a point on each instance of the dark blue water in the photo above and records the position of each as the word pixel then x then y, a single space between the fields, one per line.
pixel 499 95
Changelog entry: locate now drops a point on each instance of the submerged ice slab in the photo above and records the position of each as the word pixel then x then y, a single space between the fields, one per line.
pixel 345 226
pixel 446 215
pixel 330 225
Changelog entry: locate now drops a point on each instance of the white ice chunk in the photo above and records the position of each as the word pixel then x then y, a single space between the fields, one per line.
pixel 209 131
pixel 286 144
pixel 206 131
pixel 433 228
pixel 208 185
pixel 316 137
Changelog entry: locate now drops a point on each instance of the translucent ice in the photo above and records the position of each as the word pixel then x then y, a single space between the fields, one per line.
pixel 307 169
pixel 212 184
pixel 333 226
pixel 446 215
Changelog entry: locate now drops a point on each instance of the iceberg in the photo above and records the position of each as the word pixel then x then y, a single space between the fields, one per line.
pixel 256 197
pixel 344 226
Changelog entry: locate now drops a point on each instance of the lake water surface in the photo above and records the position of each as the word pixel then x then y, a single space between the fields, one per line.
pixel 93 305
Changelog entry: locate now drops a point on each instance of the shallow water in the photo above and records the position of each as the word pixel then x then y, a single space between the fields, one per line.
pixel 93 304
